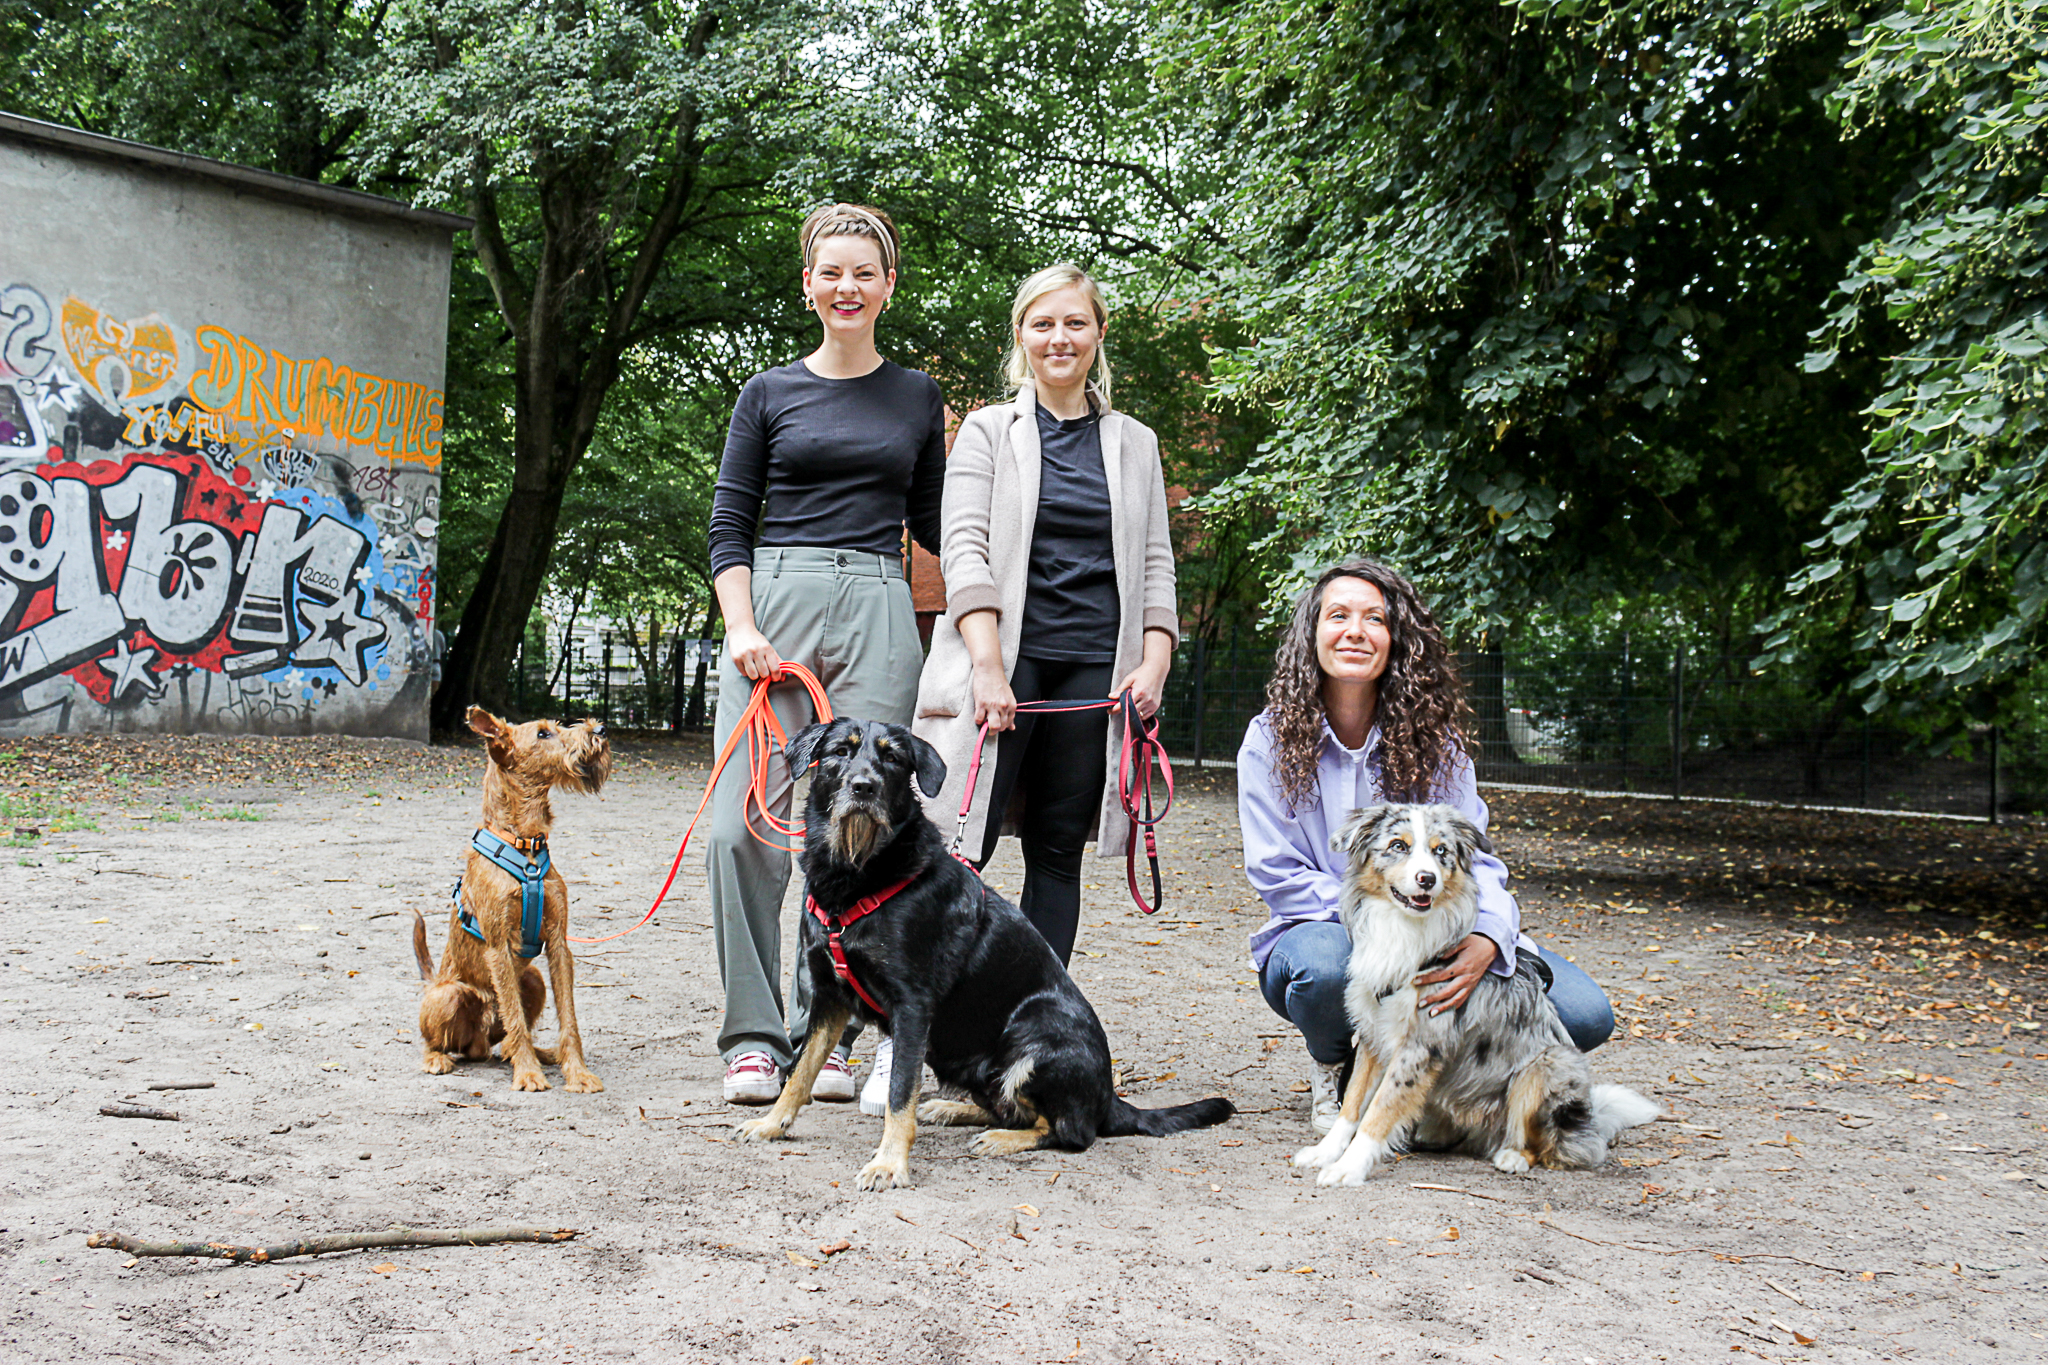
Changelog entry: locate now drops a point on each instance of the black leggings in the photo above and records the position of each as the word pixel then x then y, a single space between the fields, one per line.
pixel 1059 760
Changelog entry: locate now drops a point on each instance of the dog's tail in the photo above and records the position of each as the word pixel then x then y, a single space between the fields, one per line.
pixel 1616 1107
pixel 1123 1120
pixel 419 945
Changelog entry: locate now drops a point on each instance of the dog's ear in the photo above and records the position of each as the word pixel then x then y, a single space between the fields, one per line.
pixel 803 744
pixel 1353 835
pixel 1464 834
pixel 496 731
pixel 931 769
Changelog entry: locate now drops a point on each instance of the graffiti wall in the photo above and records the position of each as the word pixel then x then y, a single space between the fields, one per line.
pixel 205 525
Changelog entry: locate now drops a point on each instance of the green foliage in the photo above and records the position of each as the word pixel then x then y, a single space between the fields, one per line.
pixel 1531 288
pixel 239 80
pixel 1939 551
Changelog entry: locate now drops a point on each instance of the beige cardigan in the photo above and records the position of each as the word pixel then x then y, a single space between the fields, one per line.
pixel 990 510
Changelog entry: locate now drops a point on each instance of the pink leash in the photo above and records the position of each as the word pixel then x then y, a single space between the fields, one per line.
pixel 1142 751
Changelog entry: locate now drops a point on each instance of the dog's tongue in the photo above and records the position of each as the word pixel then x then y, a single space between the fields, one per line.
pixel 1419 902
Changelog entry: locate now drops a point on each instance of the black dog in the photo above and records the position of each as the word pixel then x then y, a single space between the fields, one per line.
pixel 949 969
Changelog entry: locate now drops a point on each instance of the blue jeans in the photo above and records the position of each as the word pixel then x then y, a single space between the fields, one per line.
pixel 1303 980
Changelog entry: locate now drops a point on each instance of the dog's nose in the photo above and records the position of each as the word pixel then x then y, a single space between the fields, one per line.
pixel 1425 880
pixel 598 729
pixel 863 785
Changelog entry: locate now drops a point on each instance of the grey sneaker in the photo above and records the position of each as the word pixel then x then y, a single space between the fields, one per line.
pixel 874 1096
pixel 835 1079
pixel 1325 1094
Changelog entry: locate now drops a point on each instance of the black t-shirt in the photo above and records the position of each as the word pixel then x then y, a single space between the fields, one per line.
pixel 835 463
pixel 1070 598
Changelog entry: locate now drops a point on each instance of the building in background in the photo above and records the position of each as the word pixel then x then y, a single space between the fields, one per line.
pixel 220 444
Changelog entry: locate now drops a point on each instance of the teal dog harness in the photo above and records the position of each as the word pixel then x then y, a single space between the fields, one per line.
pixel 528 862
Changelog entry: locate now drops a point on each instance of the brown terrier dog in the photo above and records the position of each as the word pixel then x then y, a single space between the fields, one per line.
pixel 479 996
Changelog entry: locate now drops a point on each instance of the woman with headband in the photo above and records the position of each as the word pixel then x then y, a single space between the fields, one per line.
pixel 826 459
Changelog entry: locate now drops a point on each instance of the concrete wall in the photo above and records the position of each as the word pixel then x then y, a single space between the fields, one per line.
pixel 220 445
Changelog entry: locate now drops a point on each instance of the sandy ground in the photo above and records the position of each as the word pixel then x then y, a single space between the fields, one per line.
pixel 1837 1015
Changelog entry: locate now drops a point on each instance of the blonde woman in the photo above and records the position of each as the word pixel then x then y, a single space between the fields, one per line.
pixel 826 459
pixel 1060 587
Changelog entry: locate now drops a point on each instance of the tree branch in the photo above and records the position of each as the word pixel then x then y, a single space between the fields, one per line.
pixel 493 253
pixel 344 1241
pixel 668 216
pixel 1144 173
pixel 647 264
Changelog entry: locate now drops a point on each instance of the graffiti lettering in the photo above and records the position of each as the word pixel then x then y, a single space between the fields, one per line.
pixel 177 575
pixel 143 566
pixel 24 328
pixel 274 392
pixel 291 468
pixel 124 362
pixel 189 423
pixel 185 542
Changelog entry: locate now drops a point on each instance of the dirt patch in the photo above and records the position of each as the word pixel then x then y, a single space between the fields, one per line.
pixel 1837 1012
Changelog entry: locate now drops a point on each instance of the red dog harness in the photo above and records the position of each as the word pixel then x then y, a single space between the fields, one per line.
pixel 838 924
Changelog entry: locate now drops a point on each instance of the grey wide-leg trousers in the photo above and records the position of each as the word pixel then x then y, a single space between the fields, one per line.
pixel 846 616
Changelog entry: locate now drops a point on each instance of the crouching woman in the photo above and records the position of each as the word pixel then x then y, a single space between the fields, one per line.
pixel 1365 705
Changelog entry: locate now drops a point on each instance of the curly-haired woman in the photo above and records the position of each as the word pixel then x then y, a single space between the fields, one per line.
pixel 1366 705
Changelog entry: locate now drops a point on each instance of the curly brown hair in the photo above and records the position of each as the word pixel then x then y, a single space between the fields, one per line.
pixel 1423 718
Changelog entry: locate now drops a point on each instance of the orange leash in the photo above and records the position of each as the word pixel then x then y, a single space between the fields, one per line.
pixel 765 738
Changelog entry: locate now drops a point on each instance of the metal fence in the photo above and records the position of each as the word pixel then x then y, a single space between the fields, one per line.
pixel 601 676
pixel 1657 722
pixel 1660 723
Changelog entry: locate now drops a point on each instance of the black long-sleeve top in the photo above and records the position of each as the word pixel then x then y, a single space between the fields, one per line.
pixel 835 463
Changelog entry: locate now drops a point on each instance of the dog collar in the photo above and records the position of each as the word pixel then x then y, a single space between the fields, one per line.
pixel 837 924
pixel 527 861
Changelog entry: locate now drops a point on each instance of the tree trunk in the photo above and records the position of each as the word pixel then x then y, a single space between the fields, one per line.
pixel 479 663
pixel 569 328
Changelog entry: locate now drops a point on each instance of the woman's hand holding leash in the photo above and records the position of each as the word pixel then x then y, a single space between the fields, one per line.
pixel 1147 682
pixel 1463 971
pixel 752 652
pixel 995 705
pixel 1147 686
pixel 749 648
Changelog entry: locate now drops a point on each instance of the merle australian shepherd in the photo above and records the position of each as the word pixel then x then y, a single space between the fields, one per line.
pixel 1497 1078
pixel 954 974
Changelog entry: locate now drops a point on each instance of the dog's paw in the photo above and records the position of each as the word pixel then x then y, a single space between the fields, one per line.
pixel 953 1114
pixel 885 1173
pixel 1007 1141
pixel 761 1130
pixel 581 1083
pixel 1345 1173
pixel 529 1080
pixel 1314 1156
pixel 1511 1161
pixel 437 1064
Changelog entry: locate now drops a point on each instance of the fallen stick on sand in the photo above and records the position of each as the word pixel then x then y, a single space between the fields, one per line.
pixel 339 1241
pixel 182 1085
pixel 138 1111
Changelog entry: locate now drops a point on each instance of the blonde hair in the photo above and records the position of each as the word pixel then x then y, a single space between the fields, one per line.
pixel 851 220
pixel 1060 275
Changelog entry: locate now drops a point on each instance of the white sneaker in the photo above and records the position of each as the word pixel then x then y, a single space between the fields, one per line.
pixel 1325 1094
pixel 835 1079
pixel 752 1078
pixel 874 1096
